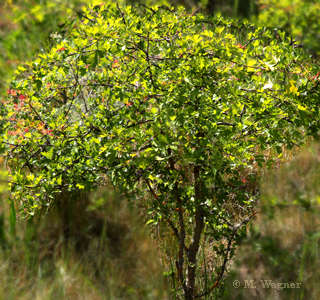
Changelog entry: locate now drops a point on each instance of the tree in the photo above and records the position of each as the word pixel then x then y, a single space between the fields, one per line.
pixel 163 103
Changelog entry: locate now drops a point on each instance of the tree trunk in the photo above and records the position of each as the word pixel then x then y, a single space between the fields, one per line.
pixel 192 255
pixel 194 246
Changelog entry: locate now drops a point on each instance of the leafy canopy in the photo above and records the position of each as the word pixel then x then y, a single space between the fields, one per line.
pixel 140 96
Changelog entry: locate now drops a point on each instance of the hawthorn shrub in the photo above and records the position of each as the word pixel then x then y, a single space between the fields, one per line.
pixel 172 108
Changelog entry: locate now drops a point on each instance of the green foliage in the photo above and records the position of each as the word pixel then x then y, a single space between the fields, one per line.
pixel 26 27
pixel 159 102
pixel 298 18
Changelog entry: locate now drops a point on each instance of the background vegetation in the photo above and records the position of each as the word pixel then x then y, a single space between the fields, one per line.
pixel 283 244
pixel 28 262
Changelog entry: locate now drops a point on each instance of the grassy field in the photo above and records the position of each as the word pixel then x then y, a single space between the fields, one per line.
pixel 96 248
pixel 284 241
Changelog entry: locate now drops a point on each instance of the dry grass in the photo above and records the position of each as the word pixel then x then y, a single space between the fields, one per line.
pixel 97 248
pixel 284 239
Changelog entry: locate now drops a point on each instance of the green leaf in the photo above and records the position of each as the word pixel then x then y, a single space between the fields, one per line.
pixel 94 60
pixel 291 88
pixel 80 186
